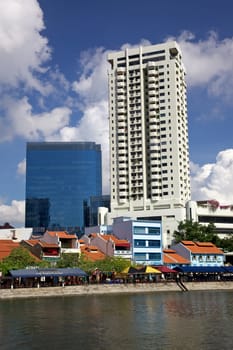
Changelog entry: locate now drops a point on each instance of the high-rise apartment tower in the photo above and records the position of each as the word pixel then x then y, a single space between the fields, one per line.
pixel 149 153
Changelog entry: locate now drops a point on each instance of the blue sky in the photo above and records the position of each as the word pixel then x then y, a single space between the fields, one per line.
pixel 53 81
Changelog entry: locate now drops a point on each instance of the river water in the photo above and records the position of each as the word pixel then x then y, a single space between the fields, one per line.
pixel 170 320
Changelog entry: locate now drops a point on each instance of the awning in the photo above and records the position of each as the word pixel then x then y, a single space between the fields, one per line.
pixel 165 269
pixel 150 269
pixel 27 273
pixel 130 270
pixel 200 269
pixel 140 270
pixel 228 269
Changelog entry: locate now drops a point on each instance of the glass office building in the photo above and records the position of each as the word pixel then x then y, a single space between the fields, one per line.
pixel 92 210
pixel 60 178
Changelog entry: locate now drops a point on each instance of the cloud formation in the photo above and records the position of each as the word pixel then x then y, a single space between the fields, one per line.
pixel 23 50
pixel 13 213
pixel 214 181
pixel 19 120
pixel 209 63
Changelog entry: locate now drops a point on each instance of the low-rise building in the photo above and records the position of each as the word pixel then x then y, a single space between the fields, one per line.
pixel 172 259
pixel 6 247
pixel 145 238
pixel 211 211
pixel 200 253
pixel 92 253
pixel 42 250
pixel 110 245
pixel 67 243
pixel 15 234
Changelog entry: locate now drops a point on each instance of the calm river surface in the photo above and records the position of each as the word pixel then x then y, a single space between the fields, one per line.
pixel 170 320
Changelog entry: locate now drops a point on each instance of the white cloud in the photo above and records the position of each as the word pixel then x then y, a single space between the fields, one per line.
pixel 92 91
pixel 209 63
pixel 20 121
pixel 214 181
pixel 23 50
pixel 92 85
pixel 21 167
pixel 13 213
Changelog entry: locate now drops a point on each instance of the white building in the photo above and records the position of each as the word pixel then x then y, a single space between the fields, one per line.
pixel 208 211
pixel 149 155
pixel 16 234
pixel 145 238
pixel 200 253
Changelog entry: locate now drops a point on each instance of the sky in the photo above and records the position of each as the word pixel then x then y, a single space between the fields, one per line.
pixel 53 82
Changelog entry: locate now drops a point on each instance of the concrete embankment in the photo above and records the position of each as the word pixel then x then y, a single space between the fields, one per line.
pixel 110 289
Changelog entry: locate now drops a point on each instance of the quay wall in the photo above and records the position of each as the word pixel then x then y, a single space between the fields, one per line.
pixel 111 289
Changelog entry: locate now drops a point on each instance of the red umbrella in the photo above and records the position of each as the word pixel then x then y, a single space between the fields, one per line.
pixel 165 269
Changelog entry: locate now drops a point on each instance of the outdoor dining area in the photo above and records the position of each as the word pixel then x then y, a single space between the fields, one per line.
pixel 147 274
pixel 46 277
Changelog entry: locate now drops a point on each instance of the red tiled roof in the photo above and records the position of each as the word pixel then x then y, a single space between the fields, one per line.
pixel 61 234
pixel 202 247
pixel 92 253
pixel 48 245
pixel 171 257
pixel 31 242
pixel 116 240
pixel 6 246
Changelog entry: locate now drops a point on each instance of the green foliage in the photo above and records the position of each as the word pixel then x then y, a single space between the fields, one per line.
pixel 107 265
pixel 193 231
pixel 19 258
pixel 227 244
pixel 68 260
pixel 112 264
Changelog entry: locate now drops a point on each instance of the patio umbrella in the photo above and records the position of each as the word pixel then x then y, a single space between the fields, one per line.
pixel 165 269
pixel 150 269
pixel 130 269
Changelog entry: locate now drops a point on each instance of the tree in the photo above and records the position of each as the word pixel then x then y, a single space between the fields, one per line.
pixel 19 258
pixel 110 264
pixel 68 260
pixel 193 231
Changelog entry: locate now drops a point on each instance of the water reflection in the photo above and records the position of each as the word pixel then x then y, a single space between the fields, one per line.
pixel 111 322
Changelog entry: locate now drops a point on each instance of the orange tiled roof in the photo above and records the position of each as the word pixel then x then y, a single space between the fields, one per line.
pixel 92 253
pixel 170 256
pixel 31 242
pixel 61 234
pixel 115 239
pixel 48 245
pixel 202 247
pixel 6 246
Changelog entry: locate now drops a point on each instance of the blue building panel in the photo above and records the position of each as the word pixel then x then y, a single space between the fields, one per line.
pixel 60 178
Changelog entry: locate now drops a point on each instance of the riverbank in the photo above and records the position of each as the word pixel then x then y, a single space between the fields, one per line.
pixel 110 289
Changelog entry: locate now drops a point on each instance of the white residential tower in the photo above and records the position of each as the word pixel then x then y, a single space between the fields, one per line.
pixel 149 154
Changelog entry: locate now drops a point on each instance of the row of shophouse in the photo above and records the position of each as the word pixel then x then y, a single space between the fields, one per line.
pixel 137 241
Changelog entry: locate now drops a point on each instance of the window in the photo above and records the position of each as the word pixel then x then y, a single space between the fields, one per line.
pixel 140 256
pixel 155 256
pixel 154 243
pixel 154 230
pixel 139 230
pixel 139 243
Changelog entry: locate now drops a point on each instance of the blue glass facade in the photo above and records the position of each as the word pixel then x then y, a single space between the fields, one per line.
pixel 95 203
pixel 60 179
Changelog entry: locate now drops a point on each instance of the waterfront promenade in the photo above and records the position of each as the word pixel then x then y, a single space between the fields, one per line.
pixel 93 289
